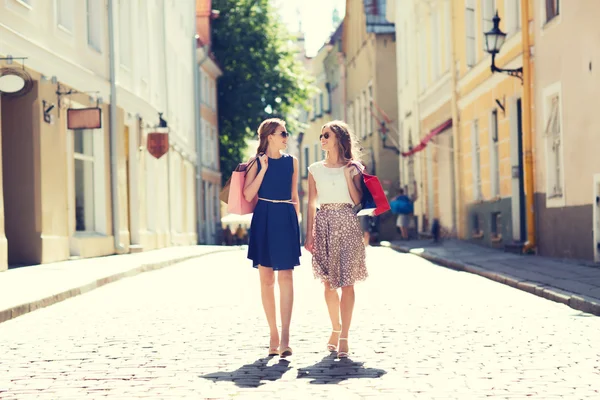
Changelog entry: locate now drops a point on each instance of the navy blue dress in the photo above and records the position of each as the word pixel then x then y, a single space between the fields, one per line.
pixel 274 232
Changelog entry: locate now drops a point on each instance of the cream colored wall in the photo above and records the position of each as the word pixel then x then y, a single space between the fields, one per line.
pixel 567 56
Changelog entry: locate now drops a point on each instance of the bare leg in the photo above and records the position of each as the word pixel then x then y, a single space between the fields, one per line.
pixel 366 238
pixel 347 307
pixel 404 232
pixel 332 299
pixel 267 292
pixel 286 297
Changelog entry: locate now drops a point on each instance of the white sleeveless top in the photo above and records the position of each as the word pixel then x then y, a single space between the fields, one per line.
pixel 331 183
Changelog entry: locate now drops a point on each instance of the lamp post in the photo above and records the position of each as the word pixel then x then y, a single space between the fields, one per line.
pixel 494 40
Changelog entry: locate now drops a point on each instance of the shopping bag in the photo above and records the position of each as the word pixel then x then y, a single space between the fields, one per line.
pixel 374 201
pixel 233 191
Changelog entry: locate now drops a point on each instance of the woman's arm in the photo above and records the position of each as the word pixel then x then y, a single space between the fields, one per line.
pixel 254 179
pixel 354 186
pixel 312 209
pixel 295 197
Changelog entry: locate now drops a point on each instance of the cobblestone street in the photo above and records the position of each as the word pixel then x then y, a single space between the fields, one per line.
pixel 197 330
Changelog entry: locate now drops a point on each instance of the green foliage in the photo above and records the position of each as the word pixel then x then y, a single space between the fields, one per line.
pixel 262 77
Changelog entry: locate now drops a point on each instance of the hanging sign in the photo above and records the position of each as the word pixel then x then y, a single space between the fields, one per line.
pixel 84 118
pixel 157 144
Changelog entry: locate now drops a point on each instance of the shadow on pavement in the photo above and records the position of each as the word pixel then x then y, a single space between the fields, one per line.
pixel 252 375
pixel 332 371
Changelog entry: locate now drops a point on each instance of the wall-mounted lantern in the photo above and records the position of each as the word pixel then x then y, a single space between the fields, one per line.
pixel 157 142
pixel 494 40
pixel 14 81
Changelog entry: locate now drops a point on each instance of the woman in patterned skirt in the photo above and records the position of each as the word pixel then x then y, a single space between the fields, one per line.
pixel 334 235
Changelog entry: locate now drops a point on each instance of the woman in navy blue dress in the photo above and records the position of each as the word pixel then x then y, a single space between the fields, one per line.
pixel 274 243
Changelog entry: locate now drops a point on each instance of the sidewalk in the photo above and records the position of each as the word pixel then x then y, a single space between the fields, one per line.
pixel 26 289
pixel 576 284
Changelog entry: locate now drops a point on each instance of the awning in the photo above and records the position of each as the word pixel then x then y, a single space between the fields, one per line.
pixel 447 124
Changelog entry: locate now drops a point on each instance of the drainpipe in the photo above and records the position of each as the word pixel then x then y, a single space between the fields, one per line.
pixel 457 187
pixel 527 137
pixel 114 177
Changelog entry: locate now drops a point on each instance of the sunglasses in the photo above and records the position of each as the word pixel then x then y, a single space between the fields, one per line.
pixel 324 135
pixel 283 134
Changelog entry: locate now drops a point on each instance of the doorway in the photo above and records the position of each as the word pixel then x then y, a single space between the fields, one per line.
pixel 21 179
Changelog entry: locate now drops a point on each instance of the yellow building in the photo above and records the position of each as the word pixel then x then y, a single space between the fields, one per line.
pixel 491 184
pixel 371 95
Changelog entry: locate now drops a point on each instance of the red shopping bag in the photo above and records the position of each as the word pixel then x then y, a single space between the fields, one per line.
pixel 374 201
pixel 233 191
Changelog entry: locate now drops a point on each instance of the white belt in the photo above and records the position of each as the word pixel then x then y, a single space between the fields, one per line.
pixel 278 201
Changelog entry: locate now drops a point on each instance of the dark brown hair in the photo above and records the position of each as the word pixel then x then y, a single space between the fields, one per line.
pixel 347 146
pixel 266 129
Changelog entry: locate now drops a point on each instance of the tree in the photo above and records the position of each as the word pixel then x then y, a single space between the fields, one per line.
pixel 262 77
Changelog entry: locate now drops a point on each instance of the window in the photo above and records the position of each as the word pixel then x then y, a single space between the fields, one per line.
pixel 306 162
pixel 125 32
pixel 435 46
pixel 513 16
pixel 205 88
pixel 365 117
pixel 554 148
pixel 552 9
pixel 476 161
pixel 496 225
pixel 369 110
pixel 314 109
pixel 494 156
pixel 64 14
pixel 95 20
pixel 406 56
pixel 448 33
pixel 470 23
pixel 321 104
pixel 475 224
pixel 422 60
pixel 84 180
pixel 488 10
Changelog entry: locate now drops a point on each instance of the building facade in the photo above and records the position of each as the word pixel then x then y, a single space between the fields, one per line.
pixel 566 164
pixel 368 42
pixel 92 192
pixel 492 187
pixel 209 178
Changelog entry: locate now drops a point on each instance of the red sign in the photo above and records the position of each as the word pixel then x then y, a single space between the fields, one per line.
pixel 157 144
pixel 84 118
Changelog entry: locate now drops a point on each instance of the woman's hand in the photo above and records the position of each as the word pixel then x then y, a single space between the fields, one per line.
pixel 348 170
pixel 264 162
pixel 309 243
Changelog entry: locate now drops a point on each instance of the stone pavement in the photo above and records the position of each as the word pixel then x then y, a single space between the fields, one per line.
pixel 196 330
pixel 28 288
pixel 576 284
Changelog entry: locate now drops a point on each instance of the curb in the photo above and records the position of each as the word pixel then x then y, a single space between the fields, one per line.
pixel 576 301
pixel 21 309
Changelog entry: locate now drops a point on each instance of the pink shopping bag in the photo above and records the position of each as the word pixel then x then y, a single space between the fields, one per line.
pixel 236 203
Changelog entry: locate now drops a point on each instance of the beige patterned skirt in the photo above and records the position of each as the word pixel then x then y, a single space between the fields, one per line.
pixel 339 252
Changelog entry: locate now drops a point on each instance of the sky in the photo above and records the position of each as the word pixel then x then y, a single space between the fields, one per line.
pixel 315 17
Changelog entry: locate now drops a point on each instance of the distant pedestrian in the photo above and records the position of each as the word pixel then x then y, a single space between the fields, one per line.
pixel 334 235
pixel 274 243
pixel 402 205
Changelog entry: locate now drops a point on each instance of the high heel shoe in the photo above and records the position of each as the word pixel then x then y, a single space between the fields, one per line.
pixel 343 354
pixel 273 352
pixel 286 352
pixel 333 347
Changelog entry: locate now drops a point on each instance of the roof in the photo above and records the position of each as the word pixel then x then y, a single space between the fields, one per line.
pixel 376 21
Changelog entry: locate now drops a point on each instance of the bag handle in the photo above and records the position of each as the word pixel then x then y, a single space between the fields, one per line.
pixel 250 165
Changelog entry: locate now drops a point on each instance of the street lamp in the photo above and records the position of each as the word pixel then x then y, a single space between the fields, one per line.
pixel 494 40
